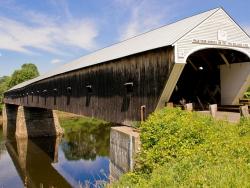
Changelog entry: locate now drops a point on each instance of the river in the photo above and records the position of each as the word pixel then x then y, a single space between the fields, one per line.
pixel 78 159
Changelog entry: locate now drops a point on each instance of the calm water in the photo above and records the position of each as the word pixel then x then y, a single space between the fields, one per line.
pixel 78 159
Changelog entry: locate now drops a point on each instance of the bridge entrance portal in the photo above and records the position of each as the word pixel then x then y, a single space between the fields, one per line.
pixel 212 76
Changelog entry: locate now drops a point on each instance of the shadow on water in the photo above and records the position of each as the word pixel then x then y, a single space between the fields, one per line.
pixel 79 159
pixel 34 162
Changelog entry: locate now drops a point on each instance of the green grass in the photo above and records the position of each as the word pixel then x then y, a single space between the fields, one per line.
pixel 184 149
pixel 77 122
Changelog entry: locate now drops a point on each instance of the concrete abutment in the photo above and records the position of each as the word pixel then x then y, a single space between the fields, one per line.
pixel 26 122
pixel 124 144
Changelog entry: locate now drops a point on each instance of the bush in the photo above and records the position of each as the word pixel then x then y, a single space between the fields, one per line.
pixel 247 95
pixel 185 149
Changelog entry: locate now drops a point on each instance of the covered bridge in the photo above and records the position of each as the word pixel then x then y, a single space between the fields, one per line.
pixel 203 59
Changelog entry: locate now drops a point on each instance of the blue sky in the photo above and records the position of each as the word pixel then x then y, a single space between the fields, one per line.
pixel 50 33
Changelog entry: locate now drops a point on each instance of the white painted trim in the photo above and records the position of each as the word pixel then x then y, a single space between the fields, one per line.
pixel 170 85
pixel 203 47
pixel 242 90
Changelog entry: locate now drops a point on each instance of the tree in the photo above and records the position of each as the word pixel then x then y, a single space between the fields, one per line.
pixel 27 72
pixel 4 86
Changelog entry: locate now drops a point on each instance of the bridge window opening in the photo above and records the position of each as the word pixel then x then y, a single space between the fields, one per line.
pixel 69 91
pixel 45 96
pixel 37 96
pixel 143 113
pixel 32 96
pixel 129 87
pixel 55 95
pixel 201 80
pixel 27 94
pixel 89 89
pixel 127 96
pixel 23 97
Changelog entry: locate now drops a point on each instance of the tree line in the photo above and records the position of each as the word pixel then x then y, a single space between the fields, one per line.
pixel 27 72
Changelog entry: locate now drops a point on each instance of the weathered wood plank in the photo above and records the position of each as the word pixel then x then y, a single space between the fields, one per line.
pixel 108 98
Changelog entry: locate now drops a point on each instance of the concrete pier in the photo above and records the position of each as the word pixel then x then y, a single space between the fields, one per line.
pixel 30 122
pixel 124 144
pixel 9 120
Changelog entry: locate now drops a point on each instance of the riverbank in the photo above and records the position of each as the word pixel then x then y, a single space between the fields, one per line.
pixel 69 121
pixel 66 118
pixel 185 149
pixel 66 115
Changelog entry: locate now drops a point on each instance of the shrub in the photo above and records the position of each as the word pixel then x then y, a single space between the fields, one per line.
pixel 185 149
pixel 247 95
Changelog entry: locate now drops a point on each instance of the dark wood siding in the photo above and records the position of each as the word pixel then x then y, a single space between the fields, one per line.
pixel 99 90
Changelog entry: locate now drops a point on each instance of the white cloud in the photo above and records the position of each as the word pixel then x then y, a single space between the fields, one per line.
pixel 56 61
pixel 46 34
pixel 144 15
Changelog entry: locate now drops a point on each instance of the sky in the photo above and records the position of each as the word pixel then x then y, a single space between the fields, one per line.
pixel 50 33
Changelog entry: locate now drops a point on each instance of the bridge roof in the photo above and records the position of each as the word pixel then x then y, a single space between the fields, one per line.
pixel 160 37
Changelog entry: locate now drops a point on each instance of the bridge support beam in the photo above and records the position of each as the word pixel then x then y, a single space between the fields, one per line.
pixel 30 122
pixel 37 122
pixel 9 120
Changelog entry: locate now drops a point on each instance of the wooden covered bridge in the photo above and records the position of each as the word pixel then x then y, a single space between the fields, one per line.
pixel 203 59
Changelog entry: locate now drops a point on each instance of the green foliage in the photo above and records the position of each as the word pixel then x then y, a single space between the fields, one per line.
pixel 185 149
pixel 4 86
pixel 27 72
pixel 247 94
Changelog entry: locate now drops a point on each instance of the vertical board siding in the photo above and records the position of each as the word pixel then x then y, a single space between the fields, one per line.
pixel 109 100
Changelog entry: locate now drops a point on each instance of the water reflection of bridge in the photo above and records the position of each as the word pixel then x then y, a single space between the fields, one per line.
pixel 36 159
pixel 33 160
